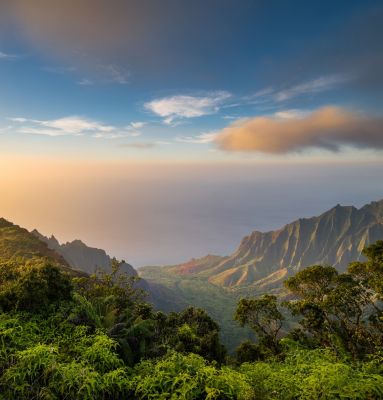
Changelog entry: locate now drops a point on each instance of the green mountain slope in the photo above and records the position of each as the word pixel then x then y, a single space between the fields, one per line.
pixel 264 260
pixel 172 292
pixel 18 243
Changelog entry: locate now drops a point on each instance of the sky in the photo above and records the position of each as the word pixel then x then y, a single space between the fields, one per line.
pixel 162 129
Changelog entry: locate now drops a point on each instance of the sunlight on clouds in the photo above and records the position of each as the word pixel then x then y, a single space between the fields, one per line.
pixel 204 138
pixel 175 107
pixel 291 114
pixel 138 124
pixel 75 126
pixel 328 128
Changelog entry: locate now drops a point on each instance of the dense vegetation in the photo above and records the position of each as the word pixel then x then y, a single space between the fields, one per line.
pixel 175 292
pixel 94 337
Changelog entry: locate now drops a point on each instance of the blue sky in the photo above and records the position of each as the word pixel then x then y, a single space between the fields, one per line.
pixel 119 86
pixel 181 73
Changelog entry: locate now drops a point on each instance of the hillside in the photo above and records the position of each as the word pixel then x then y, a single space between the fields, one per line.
pixel 17 242
pixel 82 257
pixel 264 260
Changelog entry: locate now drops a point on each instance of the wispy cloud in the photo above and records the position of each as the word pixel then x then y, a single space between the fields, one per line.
pixel 173 109
pixel 291 114
pixel 102 73
pixel 72 126
pixel 112 73
pixel 203 138
pixel 317 85
pixel 182 106
pixel 18 119
pixel 106 74
pixel 137 124
pixel 277 96
pixel 7 56
pixel 85 82
pixel 134 128
pixel 327 128
pixel 139 145
pixel 59 69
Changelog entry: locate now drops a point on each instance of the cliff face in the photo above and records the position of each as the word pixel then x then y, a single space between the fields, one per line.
pixel 264 259
pixel 82 257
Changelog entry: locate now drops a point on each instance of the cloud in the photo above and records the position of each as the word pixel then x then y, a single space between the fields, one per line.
pixel 44 132
pixel 204 138
pixel 59 70
pixel 137 124
pixel 111 73
pixel 102 73
pixel 291 114
pixel 18 119
pixel 327 128
pixel 308 87
pixel 134 128
pixel 139 145
pixel 106 74
pixel 71 126
pixel 182 106
pixel 76 125
pixel 85 82
pixel 6 56
pixel 317 85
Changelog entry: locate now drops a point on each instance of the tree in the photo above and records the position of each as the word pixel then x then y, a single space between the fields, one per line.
pixel 32 286
pixel 107 290
pixel 312 283
pixel 194 331
pixel 263 316
pixel 248 352
pixel 370 273
pixel 340 310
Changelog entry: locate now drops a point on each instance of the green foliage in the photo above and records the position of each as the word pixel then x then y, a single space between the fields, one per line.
pixel 32 286
pixel 188 377
pixel 110 292
pixel 193 331
pixel 370 273
pixel 341 310
pixel 185 291
pixel 100 340
pixel 19 245
pixel 263 316
pixel 39 364
pixel 248 352
pixel 313 374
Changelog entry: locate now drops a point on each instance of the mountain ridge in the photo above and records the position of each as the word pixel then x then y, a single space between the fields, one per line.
pixel 80 256
pixel 17 243
pixel 264 259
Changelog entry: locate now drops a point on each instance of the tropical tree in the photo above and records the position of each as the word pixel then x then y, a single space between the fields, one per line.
pixel 263 316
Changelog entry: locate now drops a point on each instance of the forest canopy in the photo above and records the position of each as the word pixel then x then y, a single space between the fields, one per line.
pixel 64 336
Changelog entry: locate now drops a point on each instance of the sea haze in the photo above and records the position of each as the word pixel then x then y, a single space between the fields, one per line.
pixel 163 214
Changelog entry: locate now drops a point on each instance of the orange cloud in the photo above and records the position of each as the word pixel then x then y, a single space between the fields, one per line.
pixel 327 128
